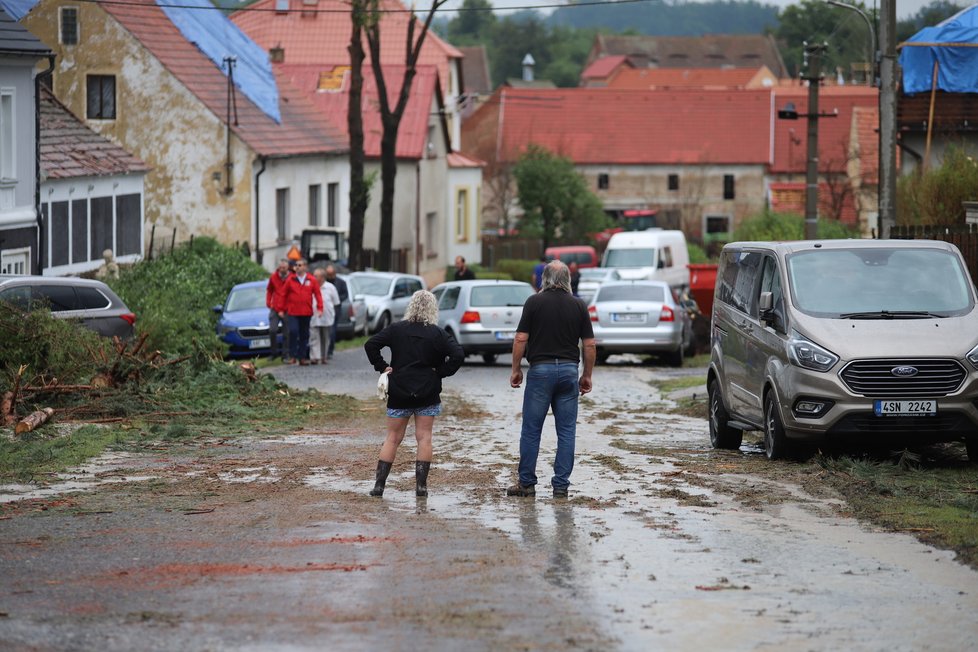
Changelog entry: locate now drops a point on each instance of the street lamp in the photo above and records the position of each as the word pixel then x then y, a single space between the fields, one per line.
pixel 872 34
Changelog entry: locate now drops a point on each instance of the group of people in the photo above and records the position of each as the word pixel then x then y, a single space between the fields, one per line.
pixel 305 306
pixel 553 330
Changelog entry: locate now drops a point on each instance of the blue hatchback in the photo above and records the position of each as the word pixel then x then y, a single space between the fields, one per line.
pixel 243 321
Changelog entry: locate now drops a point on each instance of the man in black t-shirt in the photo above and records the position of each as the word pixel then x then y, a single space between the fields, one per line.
pixel 462 271
pixel 553 326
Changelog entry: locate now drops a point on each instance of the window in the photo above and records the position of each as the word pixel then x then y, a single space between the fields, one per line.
pixel 665 257
pixel 55 297
pixel 736 286
pixel 449 299
pixel 717 227
pixel 771 282
pixel 282 214
pixel 128 225
pixel 8 159
pixel 431 226
pixel 462 215
pixel 315 201
pixel 281 6
pixel 101 97
pixel 79 231
pixel 332 197
pixel 101 226
pixel 58 233
pixel 603 181
pixel 728 186
pixel 91 299
pixel 673 182
pixel 15 261
pixel 69 25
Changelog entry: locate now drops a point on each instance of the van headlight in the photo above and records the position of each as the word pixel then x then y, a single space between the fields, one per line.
pixel 808 355
pixel 973 357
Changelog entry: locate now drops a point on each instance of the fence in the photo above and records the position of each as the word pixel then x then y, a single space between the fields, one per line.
pixel 496 249
pixel 399 260
pixel 962 236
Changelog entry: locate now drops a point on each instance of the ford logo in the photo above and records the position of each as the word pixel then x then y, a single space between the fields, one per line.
pixel 904 372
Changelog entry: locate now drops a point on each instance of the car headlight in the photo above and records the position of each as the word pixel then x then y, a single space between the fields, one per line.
pixel 808 355
pixel 973 357
pixel 224 329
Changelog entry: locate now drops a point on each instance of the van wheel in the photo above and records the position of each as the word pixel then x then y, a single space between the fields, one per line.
pixel 971 445
pixel 721 434
pixel 489 358
pixel 776 445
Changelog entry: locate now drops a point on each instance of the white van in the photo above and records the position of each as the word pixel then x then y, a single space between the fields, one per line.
pixel 653 254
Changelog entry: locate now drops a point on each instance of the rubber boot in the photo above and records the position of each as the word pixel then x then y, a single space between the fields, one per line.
pixel 421 477
pixel 383 470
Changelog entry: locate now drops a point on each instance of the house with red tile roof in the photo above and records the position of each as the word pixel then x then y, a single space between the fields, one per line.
pixel 91 194
pixel 661 78
pixel 702 159
pixel 318 32
pixel 232 153
pixel 20 247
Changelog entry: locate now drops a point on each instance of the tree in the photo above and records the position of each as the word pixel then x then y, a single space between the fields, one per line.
pixel 927 16
pixel 473 24
pixel 555 198
pixel 390 116
pixel 359 191
pixel 814 21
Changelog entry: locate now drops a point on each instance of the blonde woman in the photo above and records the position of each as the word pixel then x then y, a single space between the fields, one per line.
pixel 421 355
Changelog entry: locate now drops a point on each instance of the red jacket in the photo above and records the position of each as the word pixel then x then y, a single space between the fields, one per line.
pixel 296 298
pixel 275 282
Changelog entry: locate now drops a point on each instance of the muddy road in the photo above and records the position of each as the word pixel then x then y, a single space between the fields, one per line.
pixel 271 543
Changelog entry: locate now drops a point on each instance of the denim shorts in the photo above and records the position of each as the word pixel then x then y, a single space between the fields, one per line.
pixel 404 413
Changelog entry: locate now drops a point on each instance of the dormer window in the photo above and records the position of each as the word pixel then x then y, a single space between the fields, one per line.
pixel 69 26
pixel 281 6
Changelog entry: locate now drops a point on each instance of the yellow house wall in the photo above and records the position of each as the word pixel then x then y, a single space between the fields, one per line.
pixel 158 120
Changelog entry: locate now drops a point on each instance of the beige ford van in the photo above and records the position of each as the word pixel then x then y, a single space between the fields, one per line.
pixel 846 340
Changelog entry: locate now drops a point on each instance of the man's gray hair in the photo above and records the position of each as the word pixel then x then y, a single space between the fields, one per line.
pixel 423 308
pixel 556 276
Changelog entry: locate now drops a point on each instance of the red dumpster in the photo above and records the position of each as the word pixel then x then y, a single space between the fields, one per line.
pixel 702 281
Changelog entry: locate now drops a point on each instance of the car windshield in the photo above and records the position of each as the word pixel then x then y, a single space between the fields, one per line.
pixel 876 283
pixel 377 286
pixel 594 274
pixel 246 299
pixel 500 295
pixel 631 293
pixel 630 258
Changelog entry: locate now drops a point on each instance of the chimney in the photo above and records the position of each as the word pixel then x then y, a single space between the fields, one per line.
pixel 277 54
pixel 528 64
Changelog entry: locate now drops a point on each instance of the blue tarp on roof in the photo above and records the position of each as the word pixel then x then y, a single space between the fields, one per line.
pixel 17 9
pixel 957 67
pixel 217 37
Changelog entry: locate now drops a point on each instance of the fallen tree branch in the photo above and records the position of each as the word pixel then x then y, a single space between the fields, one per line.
pixel 33 420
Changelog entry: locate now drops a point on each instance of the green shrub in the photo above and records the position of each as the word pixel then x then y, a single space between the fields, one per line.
pixel 935 196
pixel 776 227
pixel 697 255
pixel 173 296
pixel 517 269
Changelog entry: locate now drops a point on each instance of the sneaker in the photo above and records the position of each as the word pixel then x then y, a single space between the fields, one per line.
pixel 520 490
pixel 560 492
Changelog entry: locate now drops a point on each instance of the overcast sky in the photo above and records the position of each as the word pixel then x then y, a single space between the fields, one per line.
pixel 905 8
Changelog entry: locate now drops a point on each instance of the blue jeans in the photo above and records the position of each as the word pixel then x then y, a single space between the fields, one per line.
pixel 549 385
pixel 299 337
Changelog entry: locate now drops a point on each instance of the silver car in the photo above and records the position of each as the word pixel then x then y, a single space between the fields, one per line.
pixel 91 303
pixel 591 278
pixel 386 295
pixel 352 318
pixel 482 315
pixel 640 317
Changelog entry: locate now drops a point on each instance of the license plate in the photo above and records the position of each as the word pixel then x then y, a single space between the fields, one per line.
pixel 904 407
pixel 505 335
pixel 260 344
pixel 628 317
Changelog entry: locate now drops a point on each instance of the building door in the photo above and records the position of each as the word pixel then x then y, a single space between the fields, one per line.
pixel 15 261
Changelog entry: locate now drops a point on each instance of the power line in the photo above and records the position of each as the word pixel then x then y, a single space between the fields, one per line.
pixel 308 9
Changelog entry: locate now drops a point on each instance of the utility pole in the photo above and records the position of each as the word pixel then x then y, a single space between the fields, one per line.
pixel 813 55
pixel 888 105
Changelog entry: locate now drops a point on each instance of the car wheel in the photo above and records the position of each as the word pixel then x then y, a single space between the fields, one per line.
pixel 602 357
pixel 677 357
pixel 971 445
pixel 722 435
pixel 383 322
pixel 776 445
pixel 489 358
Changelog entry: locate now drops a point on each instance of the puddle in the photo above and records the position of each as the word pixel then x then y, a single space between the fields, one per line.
pixel 105 469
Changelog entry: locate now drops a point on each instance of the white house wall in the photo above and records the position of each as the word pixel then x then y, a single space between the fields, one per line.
pixel 17 190
pixel 468 246
pixel 297 174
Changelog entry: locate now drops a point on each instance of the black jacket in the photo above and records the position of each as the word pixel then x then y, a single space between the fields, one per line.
pixel 413 346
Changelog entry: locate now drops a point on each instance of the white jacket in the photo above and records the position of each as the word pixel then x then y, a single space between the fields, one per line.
pixel 331 298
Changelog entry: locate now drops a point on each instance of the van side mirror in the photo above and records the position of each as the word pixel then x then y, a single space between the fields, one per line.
pixel 766 312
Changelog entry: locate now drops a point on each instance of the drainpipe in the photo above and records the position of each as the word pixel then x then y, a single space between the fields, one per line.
pixel 258 252
pixel 417 220
pixel 37 162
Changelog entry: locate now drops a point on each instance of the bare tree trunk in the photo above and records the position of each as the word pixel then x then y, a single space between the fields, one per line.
pixel 388 173
pixel 358 186
pixel 33 420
